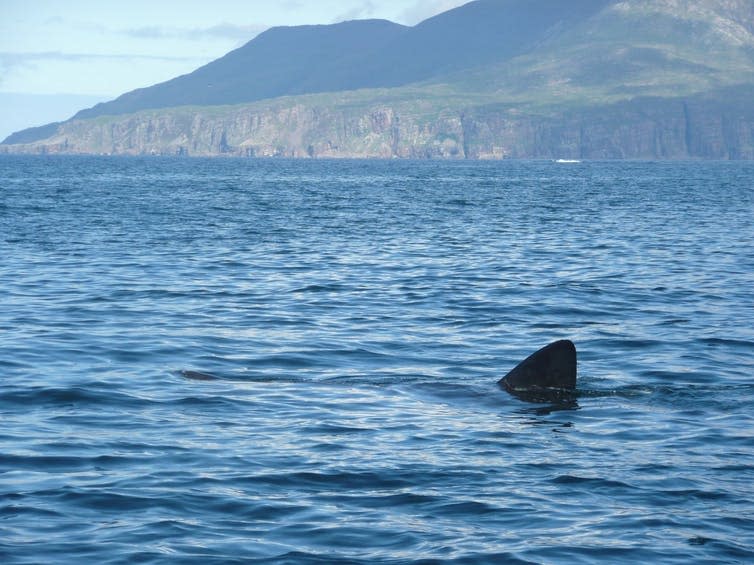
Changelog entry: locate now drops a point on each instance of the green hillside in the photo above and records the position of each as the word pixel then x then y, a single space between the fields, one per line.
pixel 631 48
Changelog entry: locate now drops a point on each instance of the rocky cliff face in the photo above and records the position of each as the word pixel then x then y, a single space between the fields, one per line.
pixel 649 128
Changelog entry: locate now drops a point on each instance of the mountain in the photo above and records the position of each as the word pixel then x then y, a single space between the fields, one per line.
pixel 353 55
pixel 280 61
pixel 492 78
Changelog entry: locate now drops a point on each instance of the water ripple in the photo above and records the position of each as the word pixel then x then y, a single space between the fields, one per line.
pixel 296 362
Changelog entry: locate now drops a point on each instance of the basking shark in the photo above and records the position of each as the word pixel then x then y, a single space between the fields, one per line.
pixel 546 375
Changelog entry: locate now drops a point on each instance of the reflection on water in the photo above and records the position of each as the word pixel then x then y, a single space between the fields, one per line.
pixel 546 409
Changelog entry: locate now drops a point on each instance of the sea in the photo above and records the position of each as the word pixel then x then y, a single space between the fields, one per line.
pixel 297 361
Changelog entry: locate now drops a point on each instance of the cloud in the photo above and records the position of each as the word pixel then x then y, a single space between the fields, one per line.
pixel 364 10
pixel 420 10
pixel 14 62
pixel 417 11
pixel 233 32
pixel 39 71
pixel 11 59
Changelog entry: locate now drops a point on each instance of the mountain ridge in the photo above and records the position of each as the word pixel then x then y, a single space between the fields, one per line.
pixel 357 54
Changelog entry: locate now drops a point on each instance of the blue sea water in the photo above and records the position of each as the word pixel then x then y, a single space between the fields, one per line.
pixel 357 316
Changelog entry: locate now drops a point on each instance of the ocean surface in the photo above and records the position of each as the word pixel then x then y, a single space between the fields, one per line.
pixel 350 321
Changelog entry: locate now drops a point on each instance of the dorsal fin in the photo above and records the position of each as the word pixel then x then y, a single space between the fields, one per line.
pixel 552 367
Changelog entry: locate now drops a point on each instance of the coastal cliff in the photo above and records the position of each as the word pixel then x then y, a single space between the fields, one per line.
pixel 702 126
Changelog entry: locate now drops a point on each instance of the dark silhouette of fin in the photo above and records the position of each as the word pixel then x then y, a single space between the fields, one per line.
pixel 546 375
pixel 197 376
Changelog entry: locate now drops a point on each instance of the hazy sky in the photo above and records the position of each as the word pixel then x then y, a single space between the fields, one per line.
pixel 105 48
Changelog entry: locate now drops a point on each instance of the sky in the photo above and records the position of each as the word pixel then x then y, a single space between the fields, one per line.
pixel 59 56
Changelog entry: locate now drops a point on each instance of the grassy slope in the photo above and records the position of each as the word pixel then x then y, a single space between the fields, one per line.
pixel 639 48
